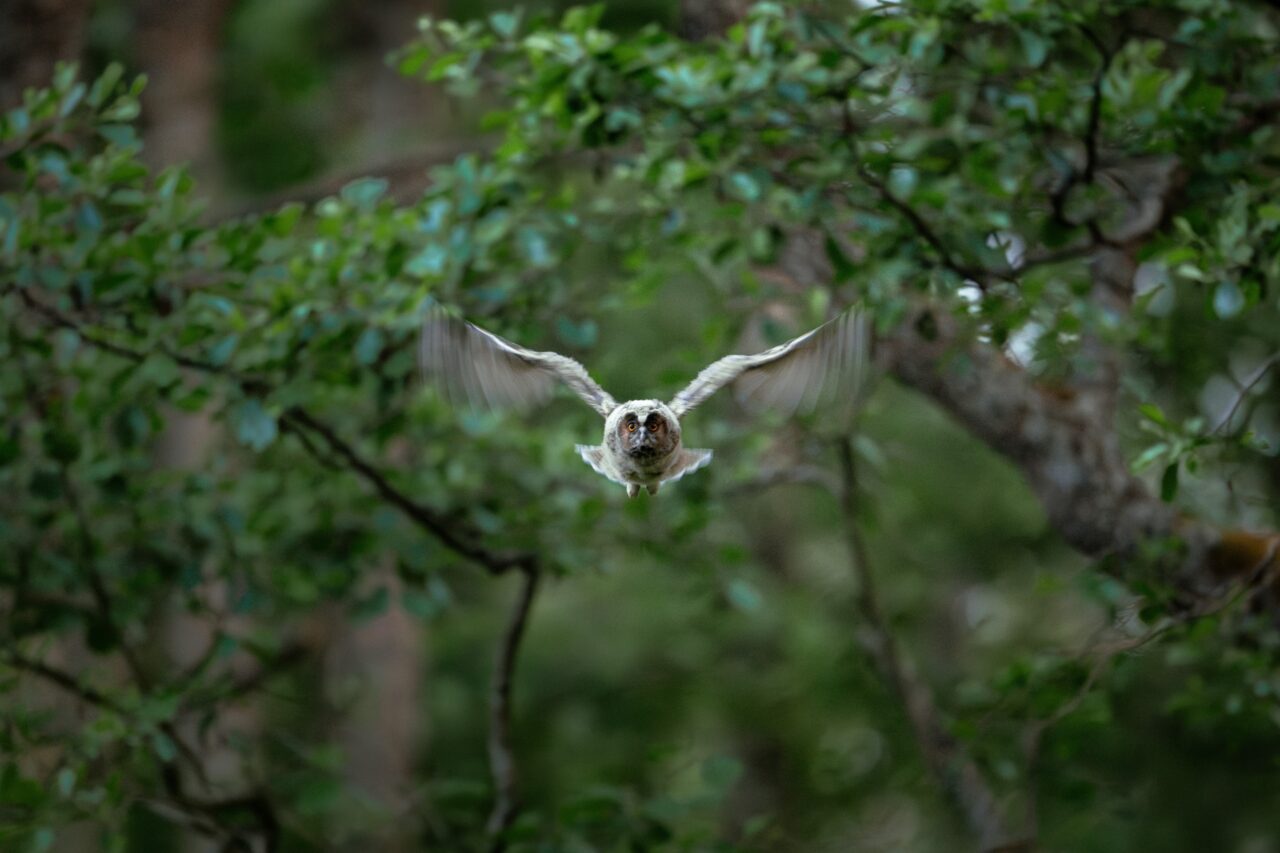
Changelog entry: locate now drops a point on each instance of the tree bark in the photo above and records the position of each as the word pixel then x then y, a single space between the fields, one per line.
pixel 34 36
pixel 701 19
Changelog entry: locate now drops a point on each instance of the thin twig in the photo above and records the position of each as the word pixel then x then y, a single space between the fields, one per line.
pixel 1104 653
pixel 61 320
pixel 1244 389
pixel 979 275
pixel 502 763
pixel 97 584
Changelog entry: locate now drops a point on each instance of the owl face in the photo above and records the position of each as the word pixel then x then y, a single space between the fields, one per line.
pixel 643 430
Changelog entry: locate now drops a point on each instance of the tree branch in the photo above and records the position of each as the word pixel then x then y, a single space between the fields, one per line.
pixel 979 275
pixel 303 424
pixel 64 680
pixel 297 418
pixel 1243 391
pixel 957 773
pixel 502 764
pixel 1068 453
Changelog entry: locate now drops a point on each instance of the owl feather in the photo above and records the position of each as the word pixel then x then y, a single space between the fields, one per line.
pixel 642 445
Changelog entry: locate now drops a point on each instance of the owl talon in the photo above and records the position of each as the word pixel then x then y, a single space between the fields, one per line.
pixel 632 490
pixel 653 490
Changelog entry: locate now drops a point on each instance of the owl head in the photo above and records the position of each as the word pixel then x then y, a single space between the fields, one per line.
pixel 643 429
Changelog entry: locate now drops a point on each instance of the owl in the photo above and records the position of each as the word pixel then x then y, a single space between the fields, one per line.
pixel 643 447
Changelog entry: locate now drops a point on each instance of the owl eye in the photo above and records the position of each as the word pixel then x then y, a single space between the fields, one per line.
pixel 631 426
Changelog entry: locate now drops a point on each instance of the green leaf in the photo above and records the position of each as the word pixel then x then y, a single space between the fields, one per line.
pixel 1151 454
pixel 365 192
pixel 505 24
pixel 1169 483
pixel 744 186
pixel 1154 414
pixel 163 747
pixel 254 426
pixel 369 346
pixel 428 262
pixel 221 352
pixel 66 781
pixel 1228 300
pixel 744 596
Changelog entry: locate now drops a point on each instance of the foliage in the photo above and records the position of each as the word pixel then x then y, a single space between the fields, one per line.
pixel 646 191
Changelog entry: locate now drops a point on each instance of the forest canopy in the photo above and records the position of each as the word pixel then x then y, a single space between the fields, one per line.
pixel 264 588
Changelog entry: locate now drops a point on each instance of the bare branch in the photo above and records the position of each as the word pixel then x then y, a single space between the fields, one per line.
pixel 1243 391
pixel 502 764
pixel 297 418
pixel 64 680
pixel 958 774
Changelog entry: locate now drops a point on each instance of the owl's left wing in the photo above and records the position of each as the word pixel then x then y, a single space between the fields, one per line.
pixel 490 371
pixel 795 375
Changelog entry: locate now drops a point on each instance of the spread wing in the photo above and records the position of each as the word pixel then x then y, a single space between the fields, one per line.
pixel 594 455
pixel 485 370
pixel 793 376
pixel 688 462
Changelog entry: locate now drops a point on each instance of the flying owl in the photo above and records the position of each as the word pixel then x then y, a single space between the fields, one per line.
pixel 642 445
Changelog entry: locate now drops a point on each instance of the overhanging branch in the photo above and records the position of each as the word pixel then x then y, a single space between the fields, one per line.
pixel 305 425
pixel 1071 459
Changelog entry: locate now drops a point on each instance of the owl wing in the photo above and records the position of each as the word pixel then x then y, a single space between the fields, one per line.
pixel 486 370
pixel 791 376
pixel 686 463
pixel 594 455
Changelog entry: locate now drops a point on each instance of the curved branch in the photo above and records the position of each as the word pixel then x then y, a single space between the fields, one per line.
pixel 1067 451
pixel 298 420
pixel 958 774
pixel 502 763
pixel 304 425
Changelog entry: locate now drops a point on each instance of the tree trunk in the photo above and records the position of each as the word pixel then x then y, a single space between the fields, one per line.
pixel 34 36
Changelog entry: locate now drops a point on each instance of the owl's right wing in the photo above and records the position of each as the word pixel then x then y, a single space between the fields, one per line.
pixel 488 371
pixel 793 375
